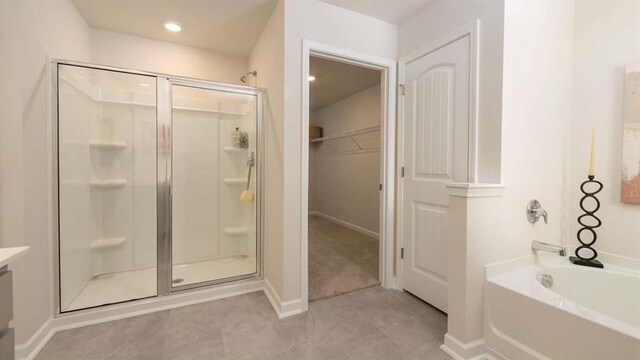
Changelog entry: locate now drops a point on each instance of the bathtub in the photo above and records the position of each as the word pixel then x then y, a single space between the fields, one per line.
pixel 579 313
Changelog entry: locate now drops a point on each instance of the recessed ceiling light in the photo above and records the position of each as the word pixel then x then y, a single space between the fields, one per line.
pixel 144 84
pixel 171 26
pixel 311 77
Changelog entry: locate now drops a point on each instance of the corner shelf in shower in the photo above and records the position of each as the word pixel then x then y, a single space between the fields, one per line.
pixel 108 145
pixel 235 181
pixel 237 231
pixel 106 244
pixel 232 149
pixel 108 183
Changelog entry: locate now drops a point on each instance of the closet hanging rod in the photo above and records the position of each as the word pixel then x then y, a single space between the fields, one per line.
pixel 347 134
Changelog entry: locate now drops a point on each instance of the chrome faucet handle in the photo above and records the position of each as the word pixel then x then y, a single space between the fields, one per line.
pixel 543 213
pixel 535 212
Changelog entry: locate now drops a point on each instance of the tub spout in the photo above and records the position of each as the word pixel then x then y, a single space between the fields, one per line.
pixel 540 246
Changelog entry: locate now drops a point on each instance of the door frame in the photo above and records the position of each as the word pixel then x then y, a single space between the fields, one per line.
pixel 472 30
pixel 387 67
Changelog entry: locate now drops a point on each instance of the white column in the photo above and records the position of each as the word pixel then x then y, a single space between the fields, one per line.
pixel 472 217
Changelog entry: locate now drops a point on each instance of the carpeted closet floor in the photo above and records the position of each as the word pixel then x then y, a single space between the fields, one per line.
pixel 341 260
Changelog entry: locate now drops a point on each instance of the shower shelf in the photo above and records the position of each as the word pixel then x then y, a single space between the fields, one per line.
pixel 108 184
pixel 108 145
pixel 237 231
pixel 234 149
pixel 235 181
pixel 105 244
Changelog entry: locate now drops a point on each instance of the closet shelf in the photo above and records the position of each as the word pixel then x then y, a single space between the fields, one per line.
pixel 105 244
pixel 235 181
pixel 347 134
pixel 108 184
pixel 362 151
pixel 237 231
pixel 108 145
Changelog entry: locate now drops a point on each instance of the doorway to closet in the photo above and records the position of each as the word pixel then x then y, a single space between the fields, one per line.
pixel 345 117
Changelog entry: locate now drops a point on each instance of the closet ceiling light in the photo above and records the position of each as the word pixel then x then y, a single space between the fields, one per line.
pixel 311 77
pixel 173 27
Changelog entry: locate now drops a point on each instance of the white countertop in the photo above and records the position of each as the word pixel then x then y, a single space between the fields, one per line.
pixel 8 255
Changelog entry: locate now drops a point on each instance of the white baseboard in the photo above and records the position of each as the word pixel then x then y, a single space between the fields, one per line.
pixel 458 350
pixel 33 346
pixel 345 224
pixel 283 309
pixel 30 349
pixel 493 355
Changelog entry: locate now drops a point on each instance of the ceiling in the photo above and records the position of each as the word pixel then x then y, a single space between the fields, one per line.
pixel 336 81
pixel 231 26
pixel 391 11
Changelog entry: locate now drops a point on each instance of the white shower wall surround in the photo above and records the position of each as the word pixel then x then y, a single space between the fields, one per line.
pixel 201 163
pixel 108 182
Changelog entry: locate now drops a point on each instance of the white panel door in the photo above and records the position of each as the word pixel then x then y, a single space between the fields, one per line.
pixel 436 152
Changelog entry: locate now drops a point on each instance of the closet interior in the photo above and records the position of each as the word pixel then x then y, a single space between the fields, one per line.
pixel 344 177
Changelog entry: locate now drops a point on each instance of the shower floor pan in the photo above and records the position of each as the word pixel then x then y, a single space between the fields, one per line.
pixel 122 286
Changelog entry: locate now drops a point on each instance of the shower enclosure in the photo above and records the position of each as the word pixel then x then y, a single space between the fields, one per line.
pixel 149 171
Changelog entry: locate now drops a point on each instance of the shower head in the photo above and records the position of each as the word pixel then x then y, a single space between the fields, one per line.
pixel 244 77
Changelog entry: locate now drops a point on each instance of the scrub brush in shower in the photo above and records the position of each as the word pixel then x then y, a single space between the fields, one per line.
pixel 247 195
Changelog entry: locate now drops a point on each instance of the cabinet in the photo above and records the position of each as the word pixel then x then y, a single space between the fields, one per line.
pixel 7 347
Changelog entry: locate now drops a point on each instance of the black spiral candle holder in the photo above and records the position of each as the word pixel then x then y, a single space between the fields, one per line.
pixel 589 221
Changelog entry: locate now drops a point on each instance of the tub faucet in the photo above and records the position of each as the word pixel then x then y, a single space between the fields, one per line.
pixel 540 246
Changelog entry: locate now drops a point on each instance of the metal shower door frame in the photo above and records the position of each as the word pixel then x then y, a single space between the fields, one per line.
pixel 163 175
pixel 165 180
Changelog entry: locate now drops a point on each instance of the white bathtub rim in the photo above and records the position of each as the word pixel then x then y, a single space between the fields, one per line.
pixel 611 262
pixel 509 275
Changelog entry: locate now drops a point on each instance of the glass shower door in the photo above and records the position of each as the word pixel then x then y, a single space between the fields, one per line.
pixel 157 184
pixel 106 176
pixel 213 185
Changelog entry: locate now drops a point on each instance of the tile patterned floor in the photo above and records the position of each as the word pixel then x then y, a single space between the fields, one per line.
pixel 373 323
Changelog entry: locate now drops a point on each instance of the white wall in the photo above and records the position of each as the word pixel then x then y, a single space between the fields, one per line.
pixel 133 52
pixel 438 19
pixel 535 117
pixel 267 57
pixel 327 24
pixel 345 185
pixel 607 38
pixel 30 30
